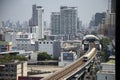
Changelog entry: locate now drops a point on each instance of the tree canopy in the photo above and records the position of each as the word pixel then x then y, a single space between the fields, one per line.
pixel 8 57
pixel 43 56
pixel 104 42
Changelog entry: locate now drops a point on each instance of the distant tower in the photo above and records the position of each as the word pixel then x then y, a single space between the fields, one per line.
pixel 68 20
pixel 40 11
pixel 36 22
pixel 55 23
pixel 34 15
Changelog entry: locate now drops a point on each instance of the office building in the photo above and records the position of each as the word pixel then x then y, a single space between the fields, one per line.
pixel 25 41
pixel 99 17
pixel 55 23
pixel 68 20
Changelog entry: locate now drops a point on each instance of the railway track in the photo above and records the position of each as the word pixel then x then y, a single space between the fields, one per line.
pixel 70 68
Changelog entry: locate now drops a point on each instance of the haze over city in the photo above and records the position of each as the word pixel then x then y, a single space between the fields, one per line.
pixel 57 39
pixel 22 9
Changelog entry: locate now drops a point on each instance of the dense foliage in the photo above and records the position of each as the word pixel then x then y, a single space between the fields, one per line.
pixel 43 56
pixel 8 57
pixel 104 42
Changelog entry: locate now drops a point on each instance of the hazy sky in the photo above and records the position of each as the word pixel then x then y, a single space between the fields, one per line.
pixel 22 9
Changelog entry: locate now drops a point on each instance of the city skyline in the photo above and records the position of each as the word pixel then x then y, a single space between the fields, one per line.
pixel 22 9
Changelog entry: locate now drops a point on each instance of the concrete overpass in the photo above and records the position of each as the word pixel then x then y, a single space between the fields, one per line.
pixel 74 70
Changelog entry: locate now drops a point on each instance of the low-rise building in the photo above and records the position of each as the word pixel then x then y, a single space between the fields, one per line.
pixel 51 47
pixel 25 41
pixel 67 58
pixel 21 40
pixel 12 70
pixel 107 72
pixel 5 46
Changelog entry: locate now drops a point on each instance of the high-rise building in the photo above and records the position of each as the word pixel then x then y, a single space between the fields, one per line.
pixel 55 23
pixel 79 25
pixel 34 15
pixel 40 21
pixel 110 25
pixel 68 20
pixel 37 20
pixel 113 6
pixel 99 17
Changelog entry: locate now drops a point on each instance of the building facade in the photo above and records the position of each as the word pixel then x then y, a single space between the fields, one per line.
pixel 5 46
pixel 99 17
pixel 68 20
pixel 55 23
pixel 53 48
pixel 37 20
pixel 107 72
pixel 67 58
pixel 12 70
pixel 35 31
pixel 113 6
pixel 25 41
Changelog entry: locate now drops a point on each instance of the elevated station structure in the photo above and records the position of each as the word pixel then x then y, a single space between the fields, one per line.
pixel 88 39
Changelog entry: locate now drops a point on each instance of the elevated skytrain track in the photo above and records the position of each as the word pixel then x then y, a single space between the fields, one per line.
pixel 73 67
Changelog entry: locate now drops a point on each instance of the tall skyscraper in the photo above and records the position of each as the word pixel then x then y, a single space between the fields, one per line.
pixel 40 21
pixel 113 6
pixel 68 20
pixel 37 20
pixel 34 15
pixel 55 23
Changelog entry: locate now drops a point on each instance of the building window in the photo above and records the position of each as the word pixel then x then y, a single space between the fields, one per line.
pixel 39 42
pixel 43 42
pixel 51 42
pixel 47 42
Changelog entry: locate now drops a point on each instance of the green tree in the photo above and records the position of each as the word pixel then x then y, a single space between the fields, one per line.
pixel 105 42
pixel 43 56
pixel 21 58
pixel 103 56
pixel 8 57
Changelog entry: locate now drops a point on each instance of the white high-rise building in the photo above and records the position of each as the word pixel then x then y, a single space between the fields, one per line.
pixel 36 21
pixel 40 11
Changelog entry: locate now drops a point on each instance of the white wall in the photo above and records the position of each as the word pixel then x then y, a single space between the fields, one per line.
pixel 46 46
pixel 108 70
pixel 102 76
pixel 108 67
pixel 33 56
